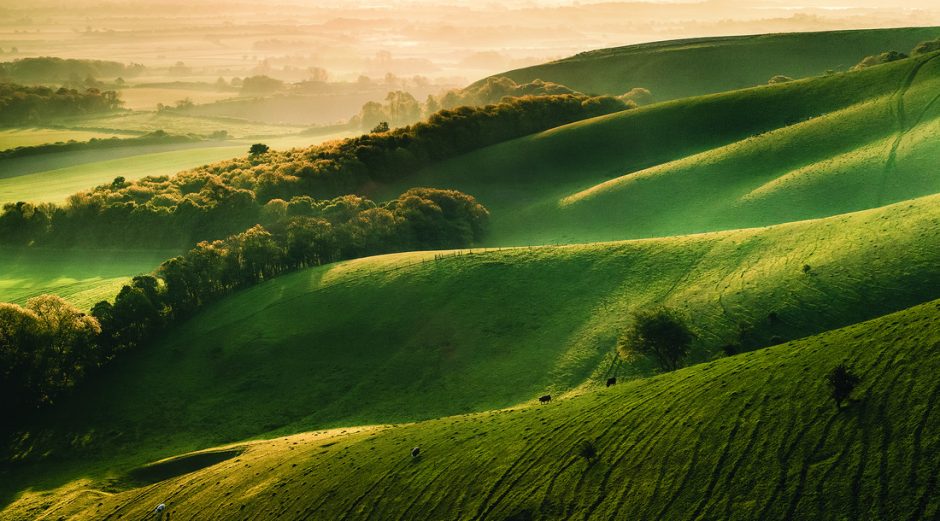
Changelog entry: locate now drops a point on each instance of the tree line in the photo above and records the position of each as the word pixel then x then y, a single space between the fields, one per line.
pixel 157 137
pixel 48 346
pixel 22 105
pixel 49 69
pixel 220 199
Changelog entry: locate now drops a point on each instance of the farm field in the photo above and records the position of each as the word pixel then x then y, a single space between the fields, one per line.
pixel 147 98
pixel 24 137
pixel 53 177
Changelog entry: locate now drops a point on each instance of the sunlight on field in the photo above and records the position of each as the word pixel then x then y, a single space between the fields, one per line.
pixel 24 137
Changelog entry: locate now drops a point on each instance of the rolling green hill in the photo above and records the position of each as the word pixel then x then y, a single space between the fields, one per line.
pixel 82 277
pixel 682 68
pixel 408 337
pixel 754 436
pixel 759 156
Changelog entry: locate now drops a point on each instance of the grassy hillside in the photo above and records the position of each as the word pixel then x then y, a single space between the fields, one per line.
pixel 753 436
pixel 331 346
pixel 682 68
pixel 81 277
pixel 758 156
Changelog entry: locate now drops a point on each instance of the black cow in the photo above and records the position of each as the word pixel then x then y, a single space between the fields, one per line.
pixel 611 381
pixel 545 399
pixel 415 451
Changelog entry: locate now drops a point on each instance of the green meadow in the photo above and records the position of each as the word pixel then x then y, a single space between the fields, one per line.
pixel 793 227
pixel 82 277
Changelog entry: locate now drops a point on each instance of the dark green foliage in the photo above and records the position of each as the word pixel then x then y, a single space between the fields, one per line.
pixel 382 126
pixel 926 47
pixel 157 137
pixel 878 59
pixel 261 85
pixel 221 199
pixel 45 348
pixel 842 381
pixel 587 450
pixel 659 334
pixel 257 149
pixel 47 69
pixel 21 105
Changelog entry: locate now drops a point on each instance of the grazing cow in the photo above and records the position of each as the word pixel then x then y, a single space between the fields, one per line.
pixel 611 381
pixel 415 451
pixel 159 510
pixel 545 399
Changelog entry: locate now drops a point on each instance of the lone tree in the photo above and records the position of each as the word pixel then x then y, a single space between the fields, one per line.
pixel 587 450
pixel 659 334
pixel 381 127
pixel 257 149
pixel 843 382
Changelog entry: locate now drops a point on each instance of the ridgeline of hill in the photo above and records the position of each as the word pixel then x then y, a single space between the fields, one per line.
pixel 410 336
pixel 754 436
pixel 682 68
pixel 760 156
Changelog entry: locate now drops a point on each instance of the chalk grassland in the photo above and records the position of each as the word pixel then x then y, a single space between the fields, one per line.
pixel 406 337
pixel 753 436
pixel 759 156
pixel 682 68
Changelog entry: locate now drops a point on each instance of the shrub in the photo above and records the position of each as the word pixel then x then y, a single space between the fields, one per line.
pixel 842 382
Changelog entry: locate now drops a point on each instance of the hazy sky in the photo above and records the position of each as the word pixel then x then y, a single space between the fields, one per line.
pixel 454 41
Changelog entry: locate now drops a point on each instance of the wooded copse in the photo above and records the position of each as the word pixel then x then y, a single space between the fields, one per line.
pixel 22 105
pixel 218 200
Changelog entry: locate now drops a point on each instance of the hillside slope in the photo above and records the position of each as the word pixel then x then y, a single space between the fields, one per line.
pixel 754 157
pixel 682 68
pixel 408 337
pixel 753 436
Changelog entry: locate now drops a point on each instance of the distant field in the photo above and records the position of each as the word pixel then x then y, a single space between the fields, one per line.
pixel 56 185
pixel 681 68
pixel 81 277
pixel 53 177
pixel 146 98
pixel 180 124
pixel 24 137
